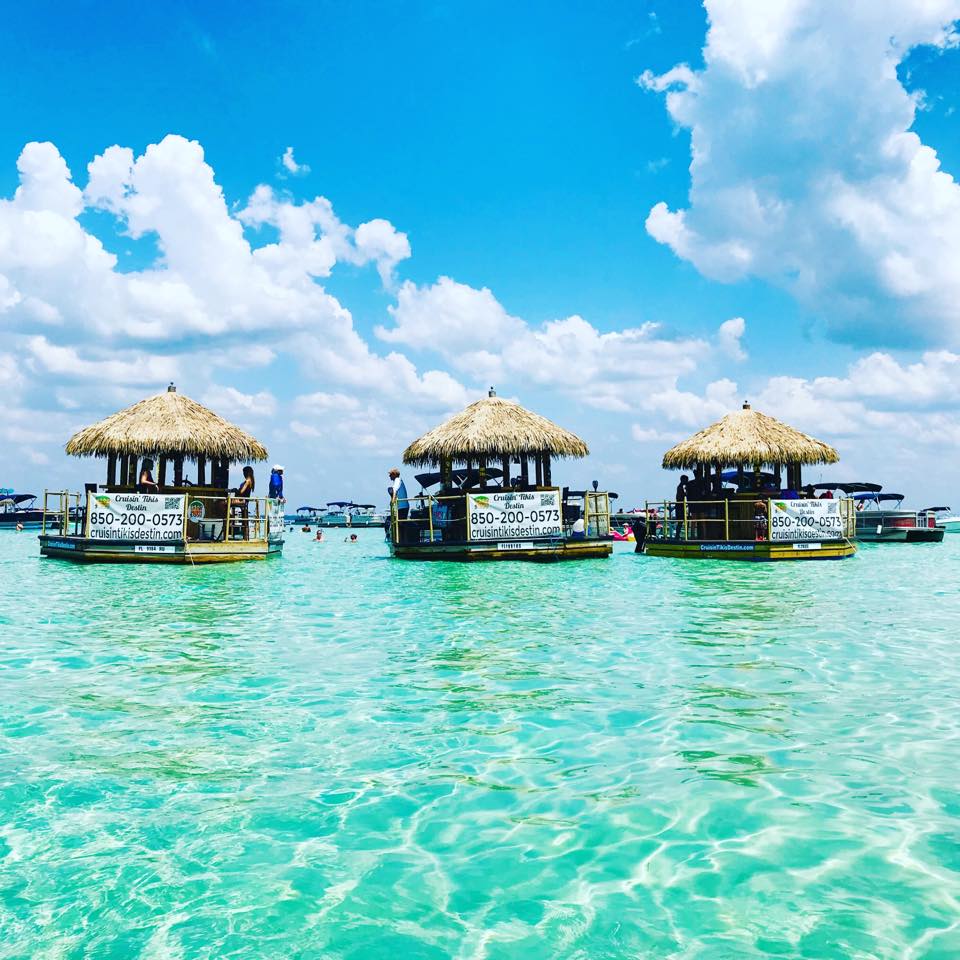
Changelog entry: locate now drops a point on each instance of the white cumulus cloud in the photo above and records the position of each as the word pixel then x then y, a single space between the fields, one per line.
pixel 804 168
pixel 291 166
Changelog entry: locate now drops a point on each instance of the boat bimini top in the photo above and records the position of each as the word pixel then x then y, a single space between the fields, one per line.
pixel 461 476
pixel 879 498
pixel 15 499
pixel 852 488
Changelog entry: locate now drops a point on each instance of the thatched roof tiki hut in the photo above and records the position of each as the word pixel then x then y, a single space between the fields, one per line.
pixel 762 516
pixel 748 439
pixel 490 433
pixel 170 429
pixel 489 505
pixel 157 518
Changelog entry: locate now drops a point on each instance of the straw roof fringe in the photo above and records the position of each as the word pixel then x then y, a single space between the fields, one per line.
pixel 747 437
pixel 494 427
pixel 169 424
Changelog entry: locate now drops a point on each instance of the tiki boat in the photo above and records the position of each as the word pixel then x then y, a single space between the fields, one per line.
pixel 757 509
pixel 487 505
pixel 135 517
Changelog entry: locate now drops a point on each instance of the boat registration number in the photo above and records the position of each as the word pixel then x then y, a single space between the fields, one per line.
pixel 807 546
pixel 153 548
pixel 514 545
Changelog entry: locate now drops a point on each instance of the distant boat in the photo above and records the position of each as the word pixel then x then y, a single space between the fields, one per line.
pixel 879 524
pixel 19 508
pixel 950 524
pixel 346 513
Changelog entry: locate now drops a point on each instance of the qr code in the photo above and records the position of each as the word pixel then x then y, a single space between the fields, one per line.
pixel 171 503
pixel 546 499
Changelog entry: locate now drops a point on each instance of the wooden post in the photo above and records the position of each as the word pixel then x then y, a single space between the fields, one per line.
pixel 482 469
pixel 201 471
pixel 132 472
pixel 547 480
pixel 539 465
pixel 524 471
pixel 111 469
pixel 178 471
pixel 162 471
pixel 446 471
pixel 505 479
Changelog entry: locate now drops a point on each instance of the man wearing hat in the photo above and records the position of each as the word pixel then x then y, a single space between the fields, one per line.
pixel 398 494
pixel 276 482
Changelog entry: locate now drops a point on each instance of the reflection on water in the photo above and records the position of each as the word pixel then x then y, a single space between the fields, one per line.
pixel 337 755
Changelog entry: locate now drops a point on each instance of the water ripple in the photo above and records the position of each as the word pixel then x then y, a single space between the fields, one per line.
pixel 338 756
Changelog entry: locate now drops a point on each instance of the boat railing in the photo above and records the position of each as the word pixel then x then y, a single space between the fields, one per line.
pixel 62 513
pixel 199 518
pixel 429 518
pixel 924 519
pixel 217 519
pixel 747 519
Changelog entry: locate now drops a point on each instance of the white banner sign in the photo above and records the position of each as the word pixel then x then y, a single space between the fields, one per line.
pixel 135 516
pixel 514 516
pixel 805 520
pixel 276 522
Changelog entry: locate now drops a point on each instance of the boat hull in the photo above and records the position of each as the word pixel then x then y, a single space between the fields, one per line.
pixel 902 535
pixel 898 526
pixel 760 552
pixel 547 552
pixel 84 550
pixel 28 518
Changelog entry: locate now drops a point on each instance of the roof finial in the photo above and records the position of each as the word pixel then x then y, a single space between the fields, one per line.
pixel 172 388
pixel 746 404
pixel 492 392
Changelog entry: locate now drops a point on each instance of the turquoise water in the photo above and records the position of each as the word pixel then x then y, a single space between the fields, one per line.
pixel 336 755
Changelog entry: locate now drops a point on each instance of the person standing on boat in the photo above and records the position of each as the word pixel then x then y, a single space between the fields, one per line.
pixel 243 493
pixel 147 484
pixel 276 483
pixel 680 505
pixel 398 496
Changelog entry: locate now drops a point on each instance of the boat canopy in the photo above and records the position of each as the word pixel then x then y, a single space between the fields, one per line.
pixel 461 476
pixel 340 503
pixel 850 487
pixel 16 498
pixel 731 476
pixel 308 509
pixel 934 509
pixel 878 497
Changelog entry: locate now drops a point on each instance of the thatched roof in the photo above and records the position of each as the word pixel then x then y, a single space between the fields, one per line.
pixel 494 427
pixel 168 424
pixel 747 437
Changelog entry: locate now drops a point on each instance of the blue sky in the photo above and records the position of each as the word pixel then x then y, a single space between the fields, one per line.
pixel 632 245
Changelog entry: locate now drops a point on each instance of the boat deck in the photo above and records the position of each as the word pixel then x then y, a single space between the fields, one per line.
pixel 543 552
pixel 763 551
pixel 85 550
